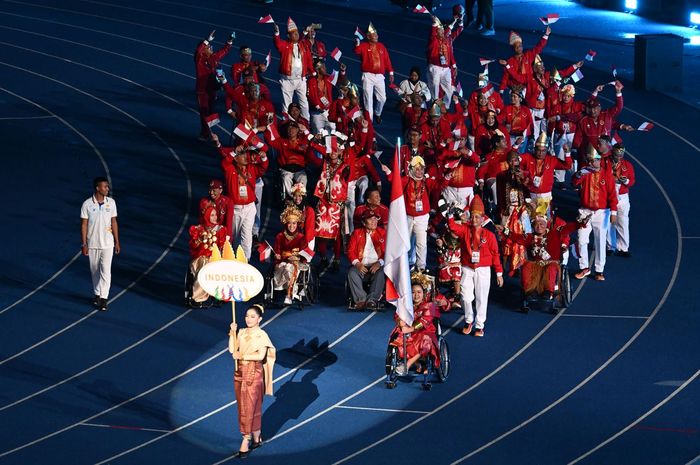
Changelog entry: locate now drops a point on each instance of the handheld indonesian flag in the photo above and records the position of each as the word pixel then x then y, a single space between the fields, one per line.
pixel 487 91
pixel 394 87
pixel 459 90
pixel 336 54
pixel 307 253
pixel 266 20
pixel 421 9
pixel 358 34
pixel 550 19
pixel 268 59
pixel 459 132
pixel 614 71
pixel 274 133
pixel 590 55
pixel 255 142
pixel 334 77
pixel 485 61
pixel 577 76
pixel 645 126
pixel 265 251
pixel 355 113
pixel 213 120
pixel 452 164
pixel 398 243
pixel 243 132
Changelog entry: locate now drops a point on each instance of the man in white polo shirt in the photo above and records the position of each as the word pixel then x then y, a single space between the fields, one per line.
pixel 100 235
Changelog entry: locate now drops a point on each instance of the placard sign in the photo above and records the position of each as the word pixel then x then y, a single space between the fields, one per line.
pixel 231 280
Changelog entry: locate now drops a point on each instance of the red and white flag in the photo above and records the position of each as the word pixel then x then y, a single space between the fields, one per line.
pixel 307 253
pixel 355 113
pixel 268 59
pixel 614 71
pixel 243 132
pixel 577 76
pixel 485 61
pixel 452 164
pixel 394 87
pixel 336 54
pixel 550 19
pixel 590 55
pixel 459 132
pixel 398 243
pixel 334 77
pixel 459 89
pixel 265 251
pixel 487 91
pixel 274 133
pixel 358 34
pixel 421 9
pixel 255 142
pixel 266 20
pixel 645 126
pixel 212 120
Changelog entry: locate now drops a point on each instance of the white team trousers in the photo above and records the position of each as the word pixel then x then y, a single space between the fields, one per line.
pixel 259 184
pixel 475 285
pixel 568 139
pixel 619 233
pixel 294 86
pixel 289 179
pixel 101 270
pixel 244 217
pixel 418 226
pixel 440 76
pixel 319 121
pixel 373 86
pixel 598 225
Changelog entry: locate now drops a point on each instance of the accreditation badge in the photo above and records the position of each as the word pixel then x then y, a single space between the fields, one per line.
pixel 536 181
pixel 419 206
pixel 243 191
pixel 476 256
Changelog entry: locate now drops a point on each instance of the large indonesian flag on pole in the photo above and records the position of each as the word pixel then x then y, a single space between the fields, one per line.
pixel 398 243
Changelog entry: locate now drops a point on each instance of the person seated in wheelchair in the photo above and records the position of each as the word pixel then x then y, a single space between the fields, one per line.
pixel 365 252
pixel 544 247
pixel 203 236
pixel 289 254
pixel 421 335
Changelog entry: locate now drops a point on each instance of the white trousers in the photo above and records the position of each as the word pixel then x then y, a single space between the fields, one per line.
pixel 291 87
pixel 373 86
pixel 619 233
pixel 101 270
pixel 457 195
pixel 244 217
pixel 568 139
pixel 319 121
pixel 598 225
pixel 259 184
pixel 440 76
pixel 289 179
pixel 418 227
pixel 475 285
pixel 539 123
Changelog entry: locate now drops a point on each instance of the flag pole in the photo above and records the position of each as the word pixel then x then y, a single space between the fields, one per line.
pixel 235 338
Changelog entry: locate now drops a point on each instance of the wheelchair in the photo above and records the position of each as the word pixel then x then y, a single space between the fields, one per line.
pixel 442 371
pixel 189 303
pixel 307 285
pixel 560 299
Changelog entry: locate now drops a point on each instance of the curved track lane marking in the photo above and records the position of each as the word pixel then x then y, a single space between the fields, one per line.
pixel 131 399
pixel 104 166
pixel 638 420
pixel 225 406
pixel 630 341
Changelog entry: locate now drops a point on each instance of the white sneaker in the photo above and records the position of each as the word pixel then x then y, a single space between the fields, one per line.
pixel 401 369
pixel 288 300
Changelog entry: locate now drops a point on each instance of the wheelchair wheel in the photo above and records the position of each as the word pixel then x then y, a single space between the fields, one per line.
pixel 312 287
pixel 268 292
pixel 189 282
pixel 565 288
pixel 443 371
pixel 392 360
pixel 348 296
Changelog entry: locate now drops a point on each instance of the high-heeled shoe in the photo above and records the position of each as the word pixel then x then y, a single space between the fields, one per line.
pixel 255 444
pixel 243 454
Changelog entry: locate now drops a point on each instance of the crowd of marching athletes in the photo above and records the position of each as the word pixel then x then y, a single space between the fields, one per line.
pixel 477 172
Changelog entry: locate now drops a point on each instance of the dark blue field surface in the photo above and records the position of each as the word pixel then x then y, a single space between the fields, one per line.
pixel 89 86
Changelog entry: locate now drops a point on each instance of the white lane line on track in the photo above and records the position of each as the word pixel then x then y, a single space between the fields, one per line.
pixel 128 428
pixel 337 404
pixel 96 365
pixel 131 399
pixel 662 301
pixel 694 461
pixel 225 406
pixel 637 421
pixel 375 409
pixel 104 166
pixel 12 118
pixel 579 315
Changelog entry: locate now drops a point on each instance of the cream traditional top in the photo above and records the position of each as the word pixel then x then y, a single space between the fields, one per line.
pixel 255 346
